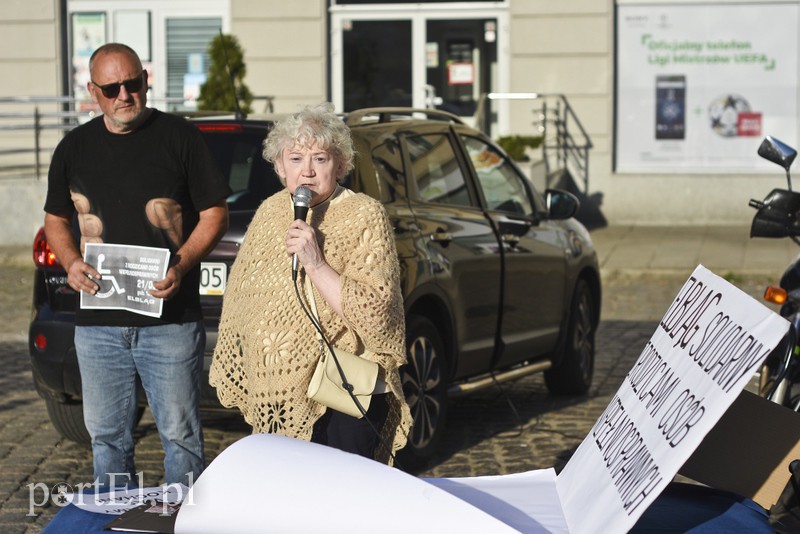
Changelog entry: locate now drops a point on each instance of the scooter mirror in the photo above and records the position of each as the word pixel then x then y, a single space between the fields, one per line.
pixel 777 215
pixel 777 152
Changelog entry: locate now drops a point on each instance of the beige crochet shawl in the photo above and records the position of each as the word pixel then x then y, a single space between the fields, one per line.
pixel 267 348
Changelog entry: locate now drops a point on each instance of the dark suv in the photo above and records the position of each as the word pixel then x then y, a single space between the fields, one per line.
pixel 499 280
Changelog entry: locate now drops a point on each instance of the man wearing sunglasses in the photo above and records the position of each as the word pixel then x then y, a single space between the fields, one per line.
pixel 137 176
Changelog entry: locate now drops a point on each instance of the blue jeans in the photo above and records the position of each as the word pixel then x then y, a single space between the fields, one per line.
pixel 169 361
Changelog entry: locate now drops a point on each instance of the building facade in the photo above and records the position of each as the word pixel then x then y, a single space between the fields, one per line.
pixel 358 54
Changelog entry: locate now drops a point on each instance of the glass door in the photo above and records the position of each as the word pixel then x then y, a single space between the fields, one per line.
pixel 461 59
pixel 424 57
pixel 376 63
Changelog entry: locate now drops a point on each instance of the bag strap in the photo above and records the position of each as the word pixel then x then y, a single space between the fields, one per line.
pixel 323 343
pixel 313 303
pixel 309 288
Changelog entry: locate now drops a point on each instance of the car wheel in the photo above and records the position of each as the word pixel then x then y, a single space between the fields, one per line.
pixel 67 418
pixel 573 375
pixel 425 389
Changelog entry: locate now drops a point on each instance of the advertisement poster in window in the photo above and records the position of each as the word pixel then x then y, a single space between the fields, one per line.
pixel 699 85
pixel 88 33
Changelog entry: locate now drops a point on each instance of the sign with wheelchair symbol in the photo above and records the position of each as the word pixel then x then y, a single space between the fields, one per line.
pixel 127 274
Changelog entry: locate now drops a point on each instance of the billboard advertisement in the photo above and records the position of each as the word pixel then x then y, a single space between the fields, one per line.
pixel 700 84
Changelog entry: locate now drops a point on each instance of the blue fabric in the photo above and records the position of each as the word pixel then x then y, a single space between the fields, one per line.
pixel 168 359
pixel 702 510
pixel 680 508
pixel 73 520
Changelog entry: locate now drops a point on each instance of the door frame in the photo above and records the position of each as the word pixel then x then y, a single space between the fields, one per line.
pixel 419 15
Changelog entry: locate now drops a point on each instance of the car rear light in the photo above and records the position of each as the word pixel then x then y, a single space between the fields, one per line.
pixel 775 294
pixel 219 127
pixel 42 255
pixel 40 341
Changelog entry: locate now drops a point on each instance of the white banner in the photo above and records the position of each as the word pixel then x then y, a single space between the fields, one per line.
pixel 699 85
pixel 704 351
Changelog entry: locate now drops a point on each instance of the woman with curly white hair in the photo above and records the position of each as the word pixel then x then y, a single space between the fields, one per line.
pixel 267 347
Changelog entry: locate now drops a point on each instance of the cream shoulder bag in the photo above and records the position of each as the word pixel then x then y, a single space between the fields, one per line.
pixel 340 373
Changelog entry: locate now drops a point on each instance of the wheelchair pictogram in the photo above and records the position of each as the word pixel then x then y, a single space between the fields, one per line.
pixel 106 273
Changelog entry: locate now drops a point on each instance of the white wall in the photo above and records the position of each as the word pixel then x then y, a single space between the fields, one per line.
pixel 30 60
pixel 568 47
pixel 285 48
pixel 29 48
pixel 21 208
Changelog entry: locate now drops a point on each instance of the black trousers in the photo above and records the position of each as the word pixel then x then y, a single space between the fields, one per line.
pixel 350 434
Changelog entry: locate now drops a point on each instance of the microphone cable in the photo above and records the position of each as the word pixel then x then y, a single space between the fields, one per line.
pixel 515 413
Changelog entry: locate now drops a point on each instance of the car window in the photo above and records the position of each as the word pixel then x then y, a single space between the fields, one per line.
pixel 238 156
pixel 435 169
pixel 384 177
pixel 502 187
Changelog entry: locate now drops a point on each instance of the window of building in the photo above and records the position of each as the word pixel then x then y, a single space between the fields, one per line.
pixel 170 36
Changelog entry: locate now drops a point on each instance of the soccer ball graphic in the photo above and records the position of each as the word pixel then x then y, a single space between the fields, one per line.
pixel 724 114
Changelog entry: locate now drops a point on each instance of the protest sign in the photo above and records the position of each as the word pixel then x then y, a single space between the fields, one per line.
pixel 120 500
pixel 127 276
pixel 704 351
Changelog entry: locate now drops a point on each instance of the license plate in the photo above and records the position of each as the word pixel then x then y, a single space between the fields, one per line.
pixel 212 278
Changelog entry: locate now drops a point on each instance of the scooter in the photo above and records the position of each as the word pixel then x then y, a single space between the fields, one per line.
pixel 778 215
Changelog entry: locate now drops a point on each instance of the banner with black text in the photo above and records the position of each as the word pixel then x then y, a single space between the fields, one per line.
pixel 705 349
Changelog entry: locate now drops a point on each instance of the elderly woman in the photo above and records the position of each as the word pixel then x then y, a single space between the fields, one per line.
pixel 267 347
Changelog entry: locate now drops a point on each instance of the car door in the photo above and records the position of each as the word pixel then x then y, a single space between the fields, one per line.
pixel 533 254
pixel 460 241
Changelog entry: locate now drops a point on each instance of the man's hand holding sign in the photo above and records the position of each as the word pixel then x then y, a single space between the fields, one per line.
pixel 127 278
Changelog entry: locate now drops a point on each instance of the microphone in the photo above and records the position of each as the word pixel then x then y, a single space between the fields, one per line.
pixel 302 199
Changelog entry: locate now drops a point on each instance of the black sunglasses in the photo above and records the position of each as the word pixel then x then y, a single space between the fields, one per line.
pixel 111 90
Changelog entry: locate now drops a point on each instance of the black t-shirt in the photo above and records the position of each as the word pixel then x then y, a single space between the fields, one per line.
pixel 117 177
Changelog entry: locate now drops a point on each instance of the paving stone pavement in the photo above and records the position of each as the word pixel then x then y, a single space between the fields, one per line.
pixel 511 430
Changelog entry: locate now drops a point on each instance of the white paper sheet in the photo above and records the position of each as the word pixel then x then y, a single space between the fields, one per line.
pixel 526 501
pixel 268 483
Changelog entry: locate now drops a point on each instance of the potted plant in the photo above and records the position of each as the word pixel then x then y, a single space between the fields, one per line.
pixel 515 145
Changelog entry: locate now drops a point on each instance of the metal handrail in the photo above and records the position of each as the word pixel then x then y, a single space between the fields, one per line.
pixel 54 113
pixel 37 122
pixel 565 142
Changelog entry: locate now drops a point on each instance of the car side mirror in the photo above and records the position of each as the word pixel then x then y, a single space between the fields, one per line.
pixel 560 204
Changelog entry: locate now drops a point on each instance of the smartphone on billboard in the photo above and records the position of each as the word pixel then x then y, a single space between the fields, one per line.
pixel 670 106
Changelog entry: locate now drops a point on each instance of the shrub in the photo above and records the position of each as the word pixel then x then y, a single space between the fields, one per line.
pixel 515 145
pixel 222 87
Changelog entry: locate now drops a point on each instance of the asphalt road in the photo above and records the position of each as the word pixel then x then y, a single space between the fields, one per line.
pixel 497 431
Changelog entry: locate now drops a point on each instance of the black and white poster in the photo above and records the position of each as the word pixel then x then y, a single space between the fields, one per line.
pixel 128 273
